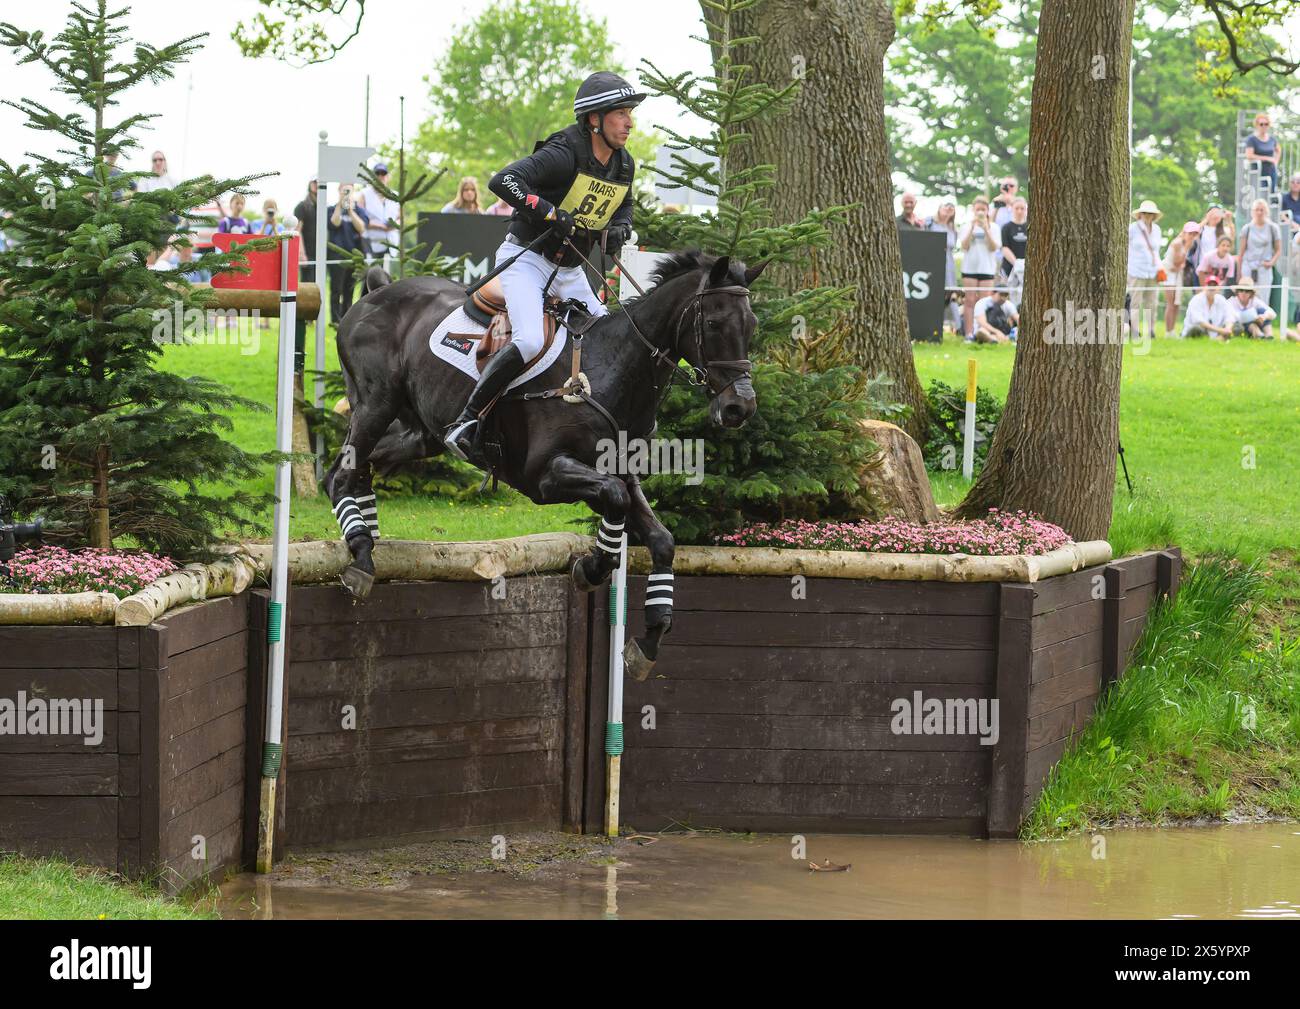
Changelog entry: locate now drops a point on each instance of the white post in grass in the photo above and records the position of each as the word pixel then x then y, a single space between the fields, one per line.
pixel 272 747
pixel 968 437
pixel 614 716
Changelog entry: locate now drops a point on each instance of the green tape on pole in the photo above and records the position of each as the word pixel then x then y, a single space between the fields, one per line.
pixel 274 618
pixel 271 754
pixel 613 738
pixel 614 608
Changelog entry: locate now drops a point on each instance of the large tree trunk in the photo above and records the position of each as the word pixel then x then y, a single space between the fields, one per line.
pixel 1054 451
pixel 831 149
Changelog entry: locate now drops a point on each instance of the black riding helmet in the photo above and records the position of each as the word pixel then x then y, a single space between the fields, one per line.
pixel 603 92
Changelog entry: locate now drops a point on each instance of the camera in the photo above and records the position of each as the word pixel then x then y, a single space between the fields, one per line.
pixel 15 534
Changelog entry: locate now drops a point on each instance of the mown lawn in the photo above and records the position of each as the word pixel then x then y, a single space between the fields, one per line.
pixel 49 889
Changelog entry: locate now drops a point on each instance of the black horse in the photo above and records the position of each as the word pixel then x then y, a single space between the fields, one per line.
pixel 403 397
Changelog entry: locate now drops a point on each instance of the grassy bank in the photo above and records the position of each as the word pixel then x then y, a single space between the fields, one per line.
pixel 49 889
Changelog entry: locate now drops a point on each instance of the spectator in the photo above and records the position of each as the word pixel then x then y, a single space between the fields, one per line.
pixel 1176 263
pixel 466 201
pixel 908 218
pixel 202 222
pixel 1015 240
pixel 1144 242
pixel 1265 149
pixel 161 178
pixel 980 246
pixel 267 224
pixel 1002 203
pixel 347 229
pixel 996 318
pixel 1291 203
pixel 1261 246
pixel 944 221
pixel 381 236
pixel 305 212
pixel 1253 317
pixel 234 223
pixel 184 264
pixel 502 209
pixel 1214 225
pixel 1208 313
pixel 1220 264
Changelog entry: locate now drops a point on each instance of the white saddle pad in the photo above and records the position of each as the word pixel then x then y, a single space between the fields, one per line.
pixel 459 350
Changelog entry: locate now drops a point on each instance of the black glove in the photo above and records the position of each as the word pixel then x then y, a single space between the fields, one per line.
pixel 616 236
pixel 563 226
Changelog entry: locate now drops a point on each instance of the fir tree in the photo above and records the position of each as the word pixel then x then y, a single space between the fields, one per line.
pixel 95 436
pixel 803 453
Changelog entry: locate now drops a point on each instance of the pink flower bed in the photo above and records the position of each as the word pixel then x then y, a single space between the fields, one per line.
pixel 53 569
pixel 1001 533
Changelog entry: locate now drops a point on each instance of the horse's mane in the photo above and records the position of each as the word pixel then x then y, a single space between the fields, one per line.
pixel 678 263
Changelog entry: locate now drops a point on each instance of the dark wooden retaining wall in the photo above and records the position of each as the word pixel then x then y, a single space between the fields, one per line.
pixel 466 707
pixel 771 707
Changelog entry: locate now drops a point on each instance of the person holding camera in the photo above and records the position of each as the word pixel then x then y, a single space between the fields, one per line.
pixel 347 230
pixel 576 184
pixel 1005 201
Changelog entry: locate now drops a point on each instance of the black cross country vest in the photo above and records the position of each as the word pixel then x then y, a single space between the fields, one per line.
pixel 592 196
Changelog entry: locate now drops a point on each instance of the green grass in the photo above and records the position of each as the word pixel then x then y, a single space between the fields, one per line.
pixel 49 889
pixel 1205 722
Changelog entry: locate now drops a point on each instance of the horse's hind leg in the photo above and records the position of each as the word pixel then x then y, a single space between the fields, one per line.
pixel 567 479
pixel 640 654
pixel 349 480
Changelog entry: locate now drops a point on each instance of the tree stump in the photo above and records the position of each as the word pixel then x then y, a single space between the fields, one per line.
pixel 900 480
pixel 304 473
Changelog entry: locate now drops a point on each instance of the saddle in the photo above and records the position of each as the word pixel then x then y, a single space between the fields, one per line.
pixel 487 307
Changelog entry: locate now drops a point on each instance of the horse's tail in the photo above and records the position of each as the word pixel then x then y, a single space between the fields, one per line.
pixel 376 277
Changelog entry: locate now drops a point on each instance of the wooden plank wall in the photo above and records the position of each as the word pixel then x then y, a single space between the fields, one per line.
pixel 201 739
pixel 460 691
pixel 1084 627
pixel 59 796
pixel 772 713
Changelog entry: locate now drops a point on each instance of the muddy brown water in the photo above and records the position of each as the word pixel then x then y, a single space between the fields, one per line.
pixel 1239 871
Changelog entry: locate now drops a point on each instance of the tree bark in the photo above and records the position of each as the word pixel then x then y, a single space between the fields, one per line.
pixel 832 149
pixel 1054 451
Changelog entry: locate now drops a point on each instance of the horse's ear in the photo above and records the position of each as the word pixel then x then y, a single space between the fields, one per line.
pixel 752 272
pixel 721 268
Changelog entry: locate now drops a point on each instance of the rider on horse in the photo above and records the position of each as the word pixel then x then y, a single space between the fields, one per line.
pixel 576 184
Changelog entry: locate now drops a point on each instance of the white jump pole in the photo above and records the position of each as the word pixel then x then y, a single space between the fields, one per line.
pixel 614 717
pixel 273 747
pixel 968 434
pixel 322 258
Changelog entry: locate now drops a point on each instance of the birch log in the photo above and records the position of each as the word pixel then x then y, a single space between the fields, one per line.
pixel 61 608
pixel 195 582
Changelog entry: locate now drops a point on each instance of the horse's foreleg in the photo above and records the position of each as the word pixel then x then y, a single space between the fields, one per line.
pixel 567 479
pixel 640 654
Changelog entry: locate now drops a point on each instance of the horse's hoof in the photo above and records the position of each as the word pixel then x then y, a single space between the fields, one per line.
pixel 635 664
pixel 579 579
pixel 357 582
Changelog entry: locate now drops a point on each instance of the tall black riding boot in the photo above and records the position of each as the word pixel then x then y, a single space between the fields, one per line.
pixel 505 366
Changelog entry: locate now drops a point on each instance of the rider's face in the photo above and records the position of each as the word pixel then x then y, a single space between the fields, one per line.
pixel 618 126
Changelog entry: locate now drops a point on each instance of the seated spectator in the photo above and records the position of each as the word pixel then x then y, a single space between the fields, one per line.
pixel 980 245
pixel 908 218
pixel 1220 264
pixel 1176 263
pixel 234 223
pixel 1208 314
pixel 996 318
pixel 1261 247
pixel 466 201
pixel 1253 317
pixel 1264 149
pixel 1003 202
pixel 267 224
pixel 186 266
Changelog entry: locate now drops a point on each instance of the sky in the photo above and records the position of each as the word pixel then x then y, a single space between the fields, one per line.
pixel 231 116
